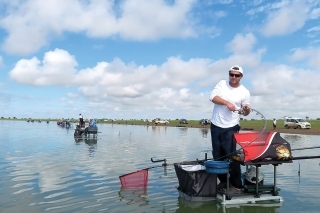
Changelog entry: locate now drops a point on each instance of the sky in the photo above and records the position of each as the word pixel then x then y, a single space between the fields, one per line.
pixel 145 59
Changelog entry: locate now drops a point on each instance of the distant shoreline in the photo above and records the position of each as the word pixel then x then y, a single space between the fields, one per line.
pixel 195 124
pixel 280 129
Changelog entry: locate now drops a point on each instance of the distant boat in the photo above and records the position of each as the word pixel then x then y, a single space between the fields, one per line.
pixel 79 131
pixel 61 123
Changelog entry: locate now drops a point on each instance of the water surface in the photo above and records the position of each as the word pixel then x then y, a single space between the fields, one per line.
pixel 44 169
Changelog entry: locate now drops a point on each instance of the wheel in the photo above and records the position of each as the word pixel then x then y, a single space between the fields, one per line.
pixel 286 126
pixel 299 127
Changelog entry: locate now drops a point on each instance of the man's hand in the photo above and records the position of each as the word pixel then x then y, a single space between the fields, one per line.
pixel 246 110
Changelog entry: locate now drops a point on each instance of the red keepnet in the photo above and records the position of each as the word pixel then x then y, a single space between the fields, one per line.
pixel 136 179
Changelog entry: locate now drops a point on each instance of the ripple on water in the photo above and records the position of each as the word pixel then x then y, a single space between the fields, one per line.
pixel 43 168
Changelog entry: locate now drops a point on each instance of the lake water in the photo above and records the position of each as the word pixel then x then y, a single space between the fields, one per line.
pixel 44 169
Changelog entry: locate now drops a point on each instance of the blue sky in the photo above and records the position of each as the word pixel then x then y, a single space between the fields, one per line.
pixel 156 58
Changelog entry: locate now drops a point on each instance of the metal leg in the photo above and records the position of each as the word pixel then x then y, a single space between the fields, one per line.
pixel 257 195
pixel 228 186
pixel 275 192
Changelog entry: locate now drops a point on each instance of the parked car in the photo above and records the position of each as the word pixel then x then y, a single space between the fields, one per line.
pixel 204 122
pixel 296 123
pixel 160 121
pixel 183 121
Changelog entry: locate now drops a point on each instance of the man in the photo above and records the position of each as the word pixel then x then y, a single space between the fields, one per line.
pixel 92 123
pixel 81 123
pixel 68 123
pixel 274 123
pixel 228 96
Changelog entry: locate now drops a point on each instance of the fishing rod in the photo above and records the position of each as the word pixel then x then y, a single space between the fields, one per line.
pixel 305 157
pixel 312 147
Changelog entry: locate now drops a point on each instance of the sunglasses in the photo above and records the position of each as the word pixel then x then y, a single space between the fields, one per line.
pixel 234 75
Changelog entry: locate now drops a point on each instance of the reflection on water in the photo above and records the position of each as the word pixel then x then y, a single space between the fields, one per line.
pixel 253 208
pixel 61 173
pixel 91 142
pixel 204 132
pixel 87 140
pixel 191 207
pixel 214 206
pixel 183 130
pixel 135 195
pixel 157 130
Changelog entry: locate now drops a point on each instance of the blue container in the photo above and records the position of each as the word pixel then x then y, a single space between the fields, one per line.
pixel 217 167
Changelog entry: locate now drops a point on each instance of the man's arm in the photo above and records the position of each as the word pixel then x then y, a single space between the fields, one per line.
pixel 217 100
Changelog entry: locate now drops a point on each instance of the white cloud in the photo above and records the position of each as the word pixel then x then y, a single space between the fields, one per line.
pixel 279 90
pixel 56 68
pixel 314 29
pixel 225 1
pixel 72 95
pixel 313 32
pixel 175 85
pixel 32 24
pixel 150 90
pixel 257 2
pixel 287 18
pixel 220 14
pixel 311 55
pixel 242 43
pixel 166 21
pixel 115 79
pixel 315 13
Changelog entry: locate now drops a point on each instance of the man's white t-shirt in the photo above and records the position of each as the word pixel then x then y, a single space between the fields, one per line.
pixel 221 115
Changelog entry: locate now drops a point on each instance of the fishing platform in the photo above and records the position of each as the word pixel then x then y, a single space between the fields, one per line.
pixel 198 179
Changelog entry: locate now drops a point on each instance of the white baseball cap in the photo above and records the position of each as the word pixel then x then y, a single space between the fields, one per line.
pixel 236 68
